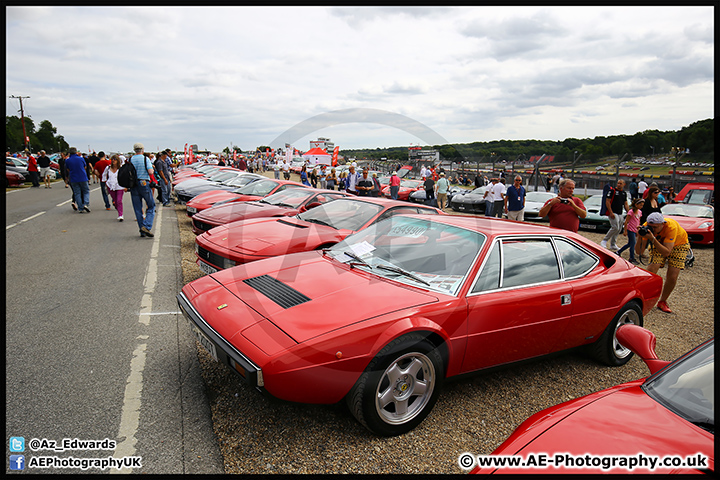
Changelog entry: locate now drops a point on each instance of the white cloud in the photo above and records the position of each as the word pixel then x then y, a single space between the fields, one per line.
pixel 111 76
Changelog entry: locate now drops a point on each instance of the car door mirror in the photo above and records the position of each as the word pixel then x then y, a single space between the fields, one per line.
pixel 641 342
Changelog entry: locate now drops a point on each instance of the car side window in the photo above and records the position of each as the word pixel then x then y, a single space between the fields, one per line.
pixel 575 261
pixel 489 278
pixel 526 262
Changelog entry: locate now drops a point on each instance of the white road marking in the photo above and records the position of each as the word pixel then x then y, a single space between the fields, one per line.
pixel 132 402
pixel 24 220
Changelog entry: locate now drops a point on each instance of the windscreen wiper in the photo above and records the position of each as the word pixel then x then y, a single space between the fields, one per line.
pixel 402 272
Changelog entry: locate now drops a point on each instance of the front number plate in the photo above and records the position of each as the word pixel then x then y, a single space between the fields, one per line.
pixel 590 226
pixel 204 341
pixel 206 268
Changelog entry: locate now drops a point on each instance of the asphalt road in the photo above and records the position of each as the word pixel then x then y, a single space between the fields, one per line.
pixel 95 345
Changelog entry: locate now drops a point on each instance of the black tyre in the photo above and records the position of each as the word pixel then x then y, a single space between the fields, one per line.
pixel 607 349
pixel 399 387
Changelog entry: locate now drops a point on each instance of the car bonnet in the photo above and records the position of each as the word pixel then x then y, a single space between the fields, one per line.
pixel 309 294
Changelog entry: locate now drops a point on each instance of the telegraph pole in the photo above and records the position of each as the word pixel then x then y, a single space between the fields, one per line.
pixel 22 120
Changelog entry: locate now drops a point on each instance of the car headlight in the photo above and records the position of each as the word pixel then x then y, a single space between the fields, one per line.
pixel 227 263
pixel 705 225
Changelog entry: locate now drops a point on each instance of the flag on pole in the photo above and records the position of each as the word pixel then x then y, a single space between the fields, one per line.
pixel 335 156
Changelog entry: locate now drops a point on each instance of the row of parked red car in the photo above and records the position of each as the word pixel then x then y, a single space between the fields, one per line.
pixel 451 294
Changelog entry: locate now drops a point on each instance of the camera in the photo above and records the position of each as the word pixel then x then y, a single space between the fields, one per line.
pixel 564 200
pixel 642 231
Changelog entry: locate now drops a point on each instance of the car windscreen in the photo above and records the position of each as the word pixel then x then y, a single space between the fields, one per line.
pixel 291 197
pixel 686 210
pixel 686 387
pixel 260 188
pixel 540 197
pixel 415 250
pixel 342 214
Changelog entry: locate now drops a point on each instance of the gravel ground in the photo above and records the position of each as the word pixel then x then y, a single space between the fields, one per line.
pixel 474 414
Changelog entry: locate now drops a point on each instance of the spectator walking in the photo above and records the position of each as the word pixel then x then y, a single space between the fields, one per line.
pixel 304 176
pixel 565 210
pixel 91 160
pixel 63 170
pixel 45 171
pixel 394 185
pixel 652 203
pixel 286 170
pixel 32 168
pixel 351 182
pixel 142 191
pixel 616 205
pixel 442 187
pixel 633 189
pixel 364 184
pixel 332 180
pixel 642 186
pixel 163 178
pixel 630 228
pixel 79 182
pixel 375 192
pixel 515 200
pixel 109 176
pixel 99 169
pixel 667 241
pixel 498 196
pixel 322 176
pixel 429 185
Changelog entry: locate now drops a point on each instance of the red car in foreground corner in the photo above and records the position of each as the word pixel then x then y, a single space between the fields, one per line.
pixel 697 220
pixel 323 226
pixel 285 203
pixel 381 319
pixel 624 429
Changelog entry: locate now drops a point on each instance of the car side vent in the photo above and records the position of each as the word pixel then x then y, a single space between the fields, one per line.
pixel 277 291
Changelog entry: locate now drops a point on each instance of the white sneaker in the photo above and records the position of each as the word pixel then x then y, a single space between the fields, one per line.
pixel 603 243
pixel 120 218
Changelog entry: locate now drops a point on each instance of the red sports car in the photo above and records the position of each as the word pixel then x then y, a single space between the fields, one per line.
pixel 281 204
pixel 220 193
pixel 406 188
pixel 383 317
pixel 252 191
pixel 624 429
pixel 697 220
pixel 323 226
pixel 13 179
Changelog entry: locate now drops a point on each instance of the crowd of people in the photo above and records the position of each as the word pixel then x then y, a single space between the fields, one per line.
pixel 79 170
pixel 634 213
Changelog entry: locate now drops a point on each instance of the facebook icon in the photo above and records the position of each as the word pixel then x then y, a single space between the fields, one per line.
pixel 17 462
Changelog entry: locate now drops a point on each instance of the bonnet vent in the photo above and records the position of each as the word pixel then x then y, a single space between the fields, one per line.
pixel 277 291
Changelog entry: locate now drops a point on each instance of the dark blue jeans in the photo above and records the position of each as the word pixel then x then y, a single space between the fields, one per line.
pixel 143 192
pixel 81 194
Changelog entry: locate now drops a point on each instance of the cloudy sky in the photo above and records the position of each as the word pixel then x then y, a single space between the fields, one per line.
pixel 367 77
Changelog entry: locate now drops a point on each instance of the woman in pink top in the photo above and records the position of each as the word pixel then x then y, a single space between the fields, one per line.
pixel 630 228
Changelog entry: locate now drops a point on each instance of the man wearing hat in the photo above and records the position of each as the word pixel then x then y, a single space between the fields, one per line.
pixel 441 191
pixel 142 191
pixel 667 240
pixel 394 185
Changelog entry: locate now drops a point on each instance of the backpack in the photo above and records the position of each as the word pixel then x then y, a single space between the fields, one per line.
pixel 127 176
pixel 608 192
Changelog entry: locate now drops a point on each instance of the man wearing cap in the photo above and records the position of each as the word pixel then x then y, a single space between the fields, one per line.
pixel 441 188
pixel 394 185
pixel 667 240
pixel 141 191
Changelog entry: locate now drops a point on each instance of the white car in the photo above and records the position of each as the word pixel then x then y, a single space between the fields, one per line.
pixel 534 202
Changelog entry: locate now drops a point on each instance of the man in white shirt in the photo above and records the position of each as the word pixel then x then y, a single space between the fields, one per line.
pixel 642 186
pixel 498 194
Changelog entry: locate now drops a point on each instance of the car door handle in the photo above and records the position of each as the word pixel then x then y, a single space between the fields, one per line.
pixel 565 299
